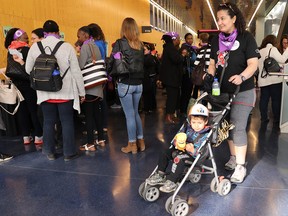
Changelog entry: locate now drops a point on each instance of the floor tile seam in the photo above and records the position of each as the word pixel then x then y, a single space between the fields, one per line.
pixel 72 172
pixel 256 188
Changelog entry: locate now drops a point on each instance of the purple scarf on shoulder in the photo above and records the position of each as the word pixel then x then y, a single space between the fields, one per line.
pixel 226 42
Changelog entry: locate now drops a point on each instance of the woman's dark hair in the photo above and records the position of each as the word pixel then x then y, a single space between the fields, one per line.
pixel 39 32
pixel 9 37
pixel 280 47
pixel 187 34
pixel 233 10
pixel 268 39
pixel 147 46
pixel 167 39
pixel 96 32
pixel 86 29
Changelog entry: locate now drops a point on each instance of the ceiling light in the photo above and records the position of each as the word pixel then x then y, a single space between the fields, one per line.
pixel 257 8
pixel 212 13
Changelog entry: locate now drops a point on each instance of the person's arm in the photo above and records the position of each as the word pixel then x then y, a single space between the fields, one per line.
pixel 30 60
pixel 252 65
pixel 280 58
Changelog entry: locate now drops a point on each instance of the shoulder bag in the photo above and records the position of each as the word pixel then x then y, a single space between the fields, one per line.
pixel 269 65
pixel 120 64
pixel 9 95
pixel 94 73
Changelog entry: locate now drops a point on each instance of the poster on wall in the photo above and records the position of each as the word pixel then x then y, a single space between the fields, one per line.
pixel 6 29
pixel 62 36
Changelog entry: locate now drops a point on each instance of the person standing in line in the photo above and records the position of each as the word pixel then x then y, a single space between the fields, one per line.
pixel 93 116
pixel 99 40
pixel 187 87
pixel 241 47
pixel 149 81
pixel 205 48
pixel 270 86
pixel 170 75
pixel 60 104
pixel 283 45
pixel 37 35
pixel 17 39
pixel 130 86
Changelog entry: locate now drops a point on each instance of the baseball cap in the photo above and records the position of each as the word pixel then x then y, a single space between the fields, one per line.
pixel 199 110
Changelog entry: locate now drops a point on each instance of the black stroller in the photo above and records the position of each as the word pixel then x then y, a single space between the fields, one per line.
pixel 219 184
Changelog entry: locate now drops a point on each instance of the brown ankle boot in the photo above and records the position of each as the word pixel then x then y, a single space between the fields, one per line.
pixel 141 144
pixel 131 147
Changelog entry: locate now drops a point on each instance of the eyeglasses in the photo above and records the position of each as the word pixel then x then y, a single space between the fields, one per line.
pixel 228 6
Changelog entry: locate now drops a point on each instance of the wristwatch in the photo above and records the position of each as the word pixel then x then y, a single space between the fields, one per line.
pixel 242 78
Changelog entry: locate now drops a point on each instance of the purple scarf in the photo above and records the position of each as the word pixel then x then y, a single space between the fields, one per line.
pixel 51 34
pixel 88 40
pixel 226 42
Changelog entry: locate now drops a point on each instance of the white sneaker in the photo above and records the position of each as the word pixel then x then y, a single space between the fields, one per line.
pixel 27 140
pixel 168 187
pixel 239 174
pixel 38 140
pixel 115 106
pixel 156 179
pixel 231 164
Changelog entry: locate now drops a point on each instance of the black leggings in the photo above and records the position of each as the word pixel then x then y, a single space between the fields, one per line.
pixel 172 99
pixel 93 118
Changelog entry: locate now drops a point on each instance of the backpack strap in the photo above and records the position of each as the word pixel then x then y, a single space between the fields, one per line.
pixel 269 52
pixel 57 47
pixel 40 45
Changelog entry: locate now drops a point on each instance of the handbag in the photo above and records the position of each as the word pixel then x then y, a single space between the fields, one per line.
pixel 14 70
pixel 9 95
pixel 120 64
pixel 270 65
pixel 94 73
pixel 199 71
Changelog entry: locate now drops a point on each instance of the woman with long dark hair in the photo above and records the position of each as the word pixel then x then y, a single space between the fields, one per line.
pixel 236 49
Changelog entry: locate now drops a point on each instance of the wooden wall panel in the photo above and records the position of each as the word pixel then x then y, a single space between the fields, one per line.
pixel 73 14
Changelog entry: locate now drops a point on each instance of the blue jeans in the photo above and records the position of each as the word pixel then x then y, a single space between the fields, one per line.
pixel 130 104
pixel 51 113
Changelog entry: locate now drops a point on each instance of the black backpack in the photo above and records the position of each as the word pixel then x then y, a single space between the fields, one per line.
pixel 45 75
pixel 270 65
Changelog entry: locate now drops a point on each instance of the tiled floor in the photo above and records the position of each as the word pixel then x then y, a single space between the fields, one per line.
pixel 106 182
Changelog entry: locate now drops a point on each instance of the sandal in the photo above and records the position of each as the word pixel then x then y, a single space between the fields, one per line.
pixel 87 147
pixel 100 143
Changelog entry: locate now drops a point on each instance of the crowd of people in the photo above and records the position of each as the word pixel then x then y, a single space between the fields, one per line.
pixel 234 50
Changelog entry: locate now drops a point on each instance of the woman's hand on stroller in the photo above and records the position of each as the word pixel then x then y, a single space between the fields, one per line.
pixel 208 80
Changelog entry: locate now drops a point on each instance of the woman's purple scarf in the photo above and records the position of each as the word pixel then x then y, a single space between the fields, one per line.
pixel 88 40
pixel 226 42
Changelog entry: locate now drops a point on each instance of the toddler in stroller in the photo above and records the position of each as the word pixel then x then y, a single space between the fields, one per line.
pixel 184 149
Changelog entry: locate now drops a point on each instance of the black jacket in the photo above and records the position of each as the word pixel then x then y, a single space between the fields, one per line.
pixel 171 66
pixel 135 59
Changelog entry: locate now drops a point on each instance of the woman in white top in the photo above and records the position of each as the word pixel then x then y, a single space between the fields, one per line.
pixel 270 86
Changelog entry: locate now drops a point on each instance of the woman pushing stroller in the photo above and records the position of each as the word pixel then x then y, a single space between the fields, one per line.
pixel 185 148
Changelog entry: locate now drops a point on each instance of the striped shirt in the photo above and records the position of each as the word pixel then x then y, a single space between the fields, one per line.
pixel 200 54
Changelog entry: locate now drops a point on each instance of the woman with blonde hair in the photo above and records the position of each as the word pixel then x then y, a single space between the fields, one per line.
pixel 130 85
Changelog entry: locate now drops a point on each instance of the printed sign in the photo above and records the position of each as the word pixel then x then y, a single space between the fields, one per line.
pixel 5 30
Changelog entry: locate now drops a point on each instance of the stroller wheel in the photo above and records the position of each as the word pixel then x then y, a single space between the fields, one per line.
pixel 224 187
pixel 151 193
pixel 180 207
pixel 141 189
pixel 213 185
pixel 168 204
pixel 195 177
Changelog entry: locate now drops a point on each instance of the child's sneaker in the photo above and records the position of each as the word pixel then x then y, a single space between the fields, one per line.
pixel 27 140
pixel 231 164
pixel 4 157
pixel 156 179
pixel 168 187
pixel 38 140
pixel 239 174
